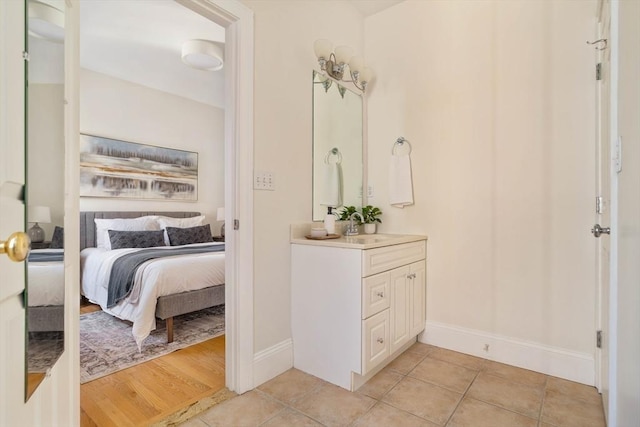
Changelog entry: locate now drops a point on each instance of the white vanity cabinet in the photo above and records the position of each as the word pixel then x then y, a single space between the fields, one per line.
pixel 356 306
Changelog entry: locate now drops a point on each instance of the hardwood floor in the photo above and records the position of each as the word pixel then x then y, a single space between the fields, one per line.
pixel 152 391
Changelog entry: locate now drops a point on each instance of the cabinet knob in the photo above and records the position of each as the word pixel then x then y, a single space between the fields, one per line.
pixel 380 294
pixel 380 340
pixel 411 276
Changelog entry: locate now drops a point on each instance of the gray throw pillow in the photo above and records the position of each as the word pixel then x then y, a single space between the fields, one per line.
pixel 57 241
pixel 187 236
pixel 136 239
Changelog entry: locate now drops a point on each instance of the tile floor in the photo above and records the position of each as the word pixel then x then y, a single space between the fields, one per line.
pixel 425 386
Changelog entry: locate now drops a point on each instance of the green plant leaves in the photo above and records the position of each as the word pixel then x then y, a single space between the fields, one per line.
pixel 370 214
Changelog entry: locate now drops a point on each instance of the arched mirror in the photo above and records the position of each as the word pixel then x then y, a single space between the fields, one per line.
pixel 337 146
pixel 45 188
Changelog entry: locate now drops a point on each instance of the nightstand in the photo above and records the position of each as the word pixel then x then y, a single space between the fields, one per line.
pixel 218 238
pixel 41 245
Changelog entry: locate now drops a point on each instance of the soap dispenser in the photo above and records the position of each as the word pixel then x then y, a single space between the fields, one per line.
pixel 330 221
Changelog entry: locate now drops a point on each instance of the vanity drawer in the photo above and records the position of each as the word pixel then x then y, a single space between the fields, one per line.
pixel 375 340
pixel 389 257
pixel 375 294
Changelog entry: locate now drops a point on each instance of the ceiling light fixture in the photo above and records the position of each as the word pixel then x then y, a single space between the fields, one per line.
pixel 203 54
pixel 337 63
pixel 46 21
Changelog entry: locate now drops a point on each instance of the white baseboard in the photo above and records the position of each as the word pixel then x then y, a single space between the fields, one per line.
pixel 272 361
pixel 558 362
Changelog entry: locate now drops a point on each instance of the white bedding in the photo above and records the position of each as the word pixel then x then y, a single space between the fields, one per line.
pixel 155 278
pixel 46 281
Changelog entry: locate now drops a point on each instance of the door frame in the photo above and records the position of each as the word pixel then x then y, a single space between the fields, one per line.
pixel 607 309
pixel 612 344
pixel 603 193
pixel 237 19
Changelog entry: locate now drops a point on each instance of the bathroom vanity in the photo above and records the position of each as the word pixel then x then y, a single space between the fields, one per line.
pixel 357 303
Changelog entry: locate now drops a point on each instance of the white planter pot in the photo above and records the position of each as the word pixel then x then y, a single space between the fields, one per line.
pixel 370 228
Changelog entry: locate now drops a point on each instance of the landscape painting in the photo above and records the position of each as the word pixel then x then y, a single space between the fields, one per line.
pixel 113 168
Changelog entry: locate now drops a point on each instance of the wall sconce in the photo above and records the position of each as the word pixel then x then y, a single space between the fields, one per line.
pixel 220 217
pixel 38 214
pixel 337 63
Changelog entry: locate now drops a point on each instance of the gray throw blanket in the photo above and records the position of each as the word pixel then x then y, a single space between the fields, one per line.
pixel 45 256
pixel 124 268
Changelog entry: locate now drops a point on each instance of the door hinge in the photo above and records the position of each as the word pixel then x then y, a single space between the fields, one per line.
pixel 599 339
pixel 617 160
pixel 599 205
pixel 599 71
pixel 25 56
pixel 236 224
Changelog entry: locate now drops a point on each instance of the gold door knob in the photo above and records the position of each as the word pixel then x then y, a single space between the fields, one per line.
pixel 17 246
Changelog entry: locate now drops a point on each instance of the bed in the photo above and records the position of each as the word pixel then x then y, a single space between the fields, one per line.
pixel 161 288
pixel 46 290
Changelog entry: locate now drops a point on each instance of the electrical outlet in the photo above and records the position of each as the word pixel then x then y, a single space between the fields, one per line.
pixel 264 181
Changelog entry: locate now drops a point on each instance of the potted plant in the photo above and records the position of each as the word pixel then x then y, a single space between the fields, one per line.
pixel 346 212
pixel 370 215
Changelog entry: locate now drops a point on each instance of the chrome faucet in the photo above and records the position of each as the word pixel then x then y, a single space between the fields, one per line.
pixel 352 228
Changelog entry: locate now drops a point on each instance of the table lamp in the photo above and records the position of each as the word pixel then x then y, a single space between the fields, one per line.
pixel 220 217
pixel 38 214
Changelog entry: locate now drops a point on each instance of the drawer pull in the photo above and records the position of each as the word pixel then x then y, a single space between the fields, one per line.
pixel 380 294
pixel 380 340
pixel 411 276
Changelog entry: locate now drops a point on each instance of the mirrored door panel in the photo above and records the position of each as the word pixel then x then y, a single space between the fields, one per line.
pixel 45 188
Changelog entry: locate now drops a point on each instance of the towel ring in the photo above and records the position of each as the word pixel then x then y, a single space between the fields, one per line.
pixel 399 143
pixel 333 152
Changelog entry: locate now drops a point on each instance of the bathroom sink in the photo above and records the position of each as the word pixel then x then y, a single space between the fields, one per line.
pixel 359 241
pixel 369 238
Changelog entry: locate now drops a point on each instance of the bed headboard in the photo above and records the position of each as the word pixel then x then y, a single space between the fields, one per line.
pixel 88 226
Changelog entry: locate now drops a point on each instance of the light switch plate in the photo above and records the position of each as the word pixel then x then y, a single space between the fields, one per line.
pixel 263 181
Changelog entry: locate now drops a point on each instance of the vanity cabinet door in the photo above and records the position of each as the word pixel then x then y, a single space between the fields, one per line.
pixel 375 340
pixel 400 307
pixel 418 285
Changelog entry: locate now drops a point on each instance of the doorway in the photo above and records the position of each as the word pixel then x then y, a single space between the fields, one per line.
pixel 237 21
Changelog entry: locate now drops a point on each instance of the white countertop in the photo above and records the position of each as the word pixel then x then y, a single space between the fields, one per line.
pixel 360 241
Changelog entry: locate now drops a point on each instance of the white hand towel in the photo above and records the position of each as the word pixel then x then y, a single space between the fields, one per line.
pixel 331 194
pixel 400 182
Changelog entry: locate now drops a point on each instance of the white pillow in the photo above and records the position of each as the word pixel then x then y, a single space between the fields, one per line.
pixel 167 221
pixel 122 224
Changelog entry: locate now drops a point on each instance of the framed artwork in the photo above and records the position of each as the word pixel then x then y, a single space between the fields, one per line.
pixel 121 169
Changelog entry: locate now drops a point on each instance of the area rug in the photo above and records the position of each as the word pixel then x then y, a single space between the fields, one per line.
pixel 107 346
pixel 43 349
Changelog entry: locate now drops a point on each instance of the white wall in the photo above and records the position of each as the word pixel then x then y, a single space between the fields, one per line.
pixel 114 108
pixel 284 36
pixel 46 151
pixel 627 379
pixel 497 100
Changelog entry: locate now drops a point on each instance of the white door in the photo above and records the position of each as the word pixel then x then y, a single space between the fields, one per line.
pixel 12 179
pixel 603 201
